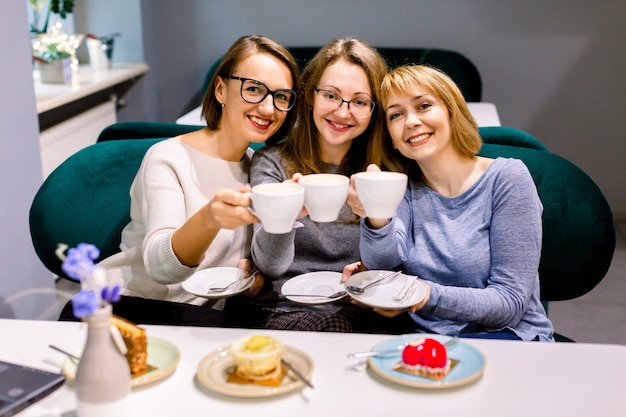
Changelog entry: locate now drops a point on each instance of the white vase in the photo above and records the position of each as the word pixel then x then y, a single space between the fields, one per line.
pixel 103 376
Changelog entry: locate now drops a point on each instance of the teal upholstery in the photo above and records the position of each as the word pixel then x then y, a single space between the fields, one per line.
pixel 502 135
pixel 86 199
pixel 146 130
pixel 143 130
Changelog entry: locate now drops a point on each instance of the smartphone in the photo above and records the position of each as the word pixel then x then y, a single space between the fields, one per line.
pixel 21 386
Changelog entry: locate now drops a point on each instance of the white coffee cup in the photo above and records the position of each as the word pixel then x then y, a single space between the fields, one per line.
pixel 380 192
pixel 277 205
pixel 324 195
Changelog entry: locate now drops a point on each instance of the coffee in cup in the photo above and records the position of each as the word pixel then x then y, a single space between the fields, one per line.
pixel 380 192
pixel 324 195
pixel 277 205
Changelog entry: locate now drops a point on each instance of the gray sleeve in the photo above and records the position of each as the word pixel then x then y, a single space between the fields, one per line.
pixel 272 254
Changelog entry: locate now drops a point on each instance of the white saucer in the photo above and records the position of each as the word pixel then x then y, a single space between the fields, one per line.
pixel 199 283
pixel 214 368
pixel 469 368
pixel 321 282
pixel 384 295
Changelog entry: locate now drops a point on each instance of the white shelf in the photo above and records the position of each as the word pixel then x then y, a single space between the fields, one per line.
pixel 85 82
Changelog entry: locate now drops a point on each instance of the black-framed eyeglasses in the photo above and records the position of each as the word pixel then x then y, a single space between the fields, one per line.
pixel 359 107
pixel 254 91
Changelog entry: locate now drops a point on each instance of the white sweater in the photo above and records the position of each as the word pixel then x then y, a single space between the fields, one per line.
pixel 174 182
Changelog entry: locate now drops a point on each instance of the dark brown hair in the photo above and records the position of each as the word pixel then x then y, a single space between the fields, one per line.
pixel 240 50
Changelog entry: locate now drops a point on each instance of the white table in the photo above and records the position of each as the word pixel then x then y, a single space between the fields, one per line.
pixel 486 114
pixel 520 378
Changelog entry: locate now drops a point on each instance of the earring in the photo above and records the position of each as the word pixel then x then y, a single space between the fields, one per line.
pixel 222 104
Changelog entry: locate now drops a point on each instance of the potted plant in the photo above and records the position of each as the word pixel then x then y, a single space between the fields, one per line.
pixel 54 64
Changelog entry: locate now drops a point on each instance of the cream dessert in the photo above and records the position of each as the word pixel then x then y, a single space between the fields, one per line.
pixel 258 358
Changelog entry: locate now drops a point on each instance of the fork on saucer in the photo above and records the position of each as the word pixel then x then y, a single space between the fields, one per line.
pixel 238 283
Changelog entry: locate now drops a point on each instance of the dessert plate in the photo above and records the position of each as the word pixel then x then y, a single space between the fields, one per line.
pixel 199 283
pixel 383 295
pixel 213 370
pixel 469 368
pixel 163 359
pixel 323 283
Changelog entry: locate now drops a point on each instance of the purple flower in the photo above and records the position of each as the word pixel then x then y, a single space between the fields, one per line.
pixel 96 289
pixel 85 303
pixel 111 294
pixel 78 263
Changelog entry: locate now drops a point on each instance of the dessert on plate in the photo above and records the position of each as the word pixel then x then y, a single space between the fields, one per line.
pixel 257 361
pixel 425 357
pixel 136 344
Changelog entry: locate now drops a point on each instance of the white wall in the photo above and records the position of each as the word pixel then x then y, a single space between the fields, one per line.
pixel 20 170
pixel 554 68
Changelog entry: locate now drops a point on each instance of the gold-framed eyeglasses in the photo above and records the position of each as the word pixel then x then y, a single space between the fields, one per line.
pixel 254 91
pixel 359 107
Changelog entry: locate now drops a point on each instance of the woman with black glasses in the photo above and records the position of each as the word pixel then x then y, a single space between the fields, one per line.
pixel 338 129
pixel 189 208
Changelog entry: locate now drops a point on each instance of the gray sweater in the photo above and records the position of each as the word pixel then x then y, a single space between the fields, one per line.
pixel 312 247
pixel 478 251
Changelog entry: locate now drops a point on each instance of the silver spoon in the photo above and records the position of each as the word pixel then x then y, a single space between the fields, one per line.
pixel 361 290
pixel 338 294
pixel 229 286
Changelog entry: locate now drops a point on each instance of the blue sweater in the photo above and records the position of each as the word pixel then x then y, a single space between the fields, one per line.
pixel 478 251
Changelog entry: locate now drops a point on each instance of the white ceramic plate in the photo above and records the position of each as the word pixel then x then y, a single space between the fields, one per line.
pixel 469 368
pixel 383 295
pixel 162 355
pixel 213 371
pixel 317 283
pixel 199 283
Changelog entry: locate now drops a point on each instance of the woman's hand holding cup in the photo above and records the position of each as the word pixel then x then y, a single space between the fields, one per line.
pixel 379 194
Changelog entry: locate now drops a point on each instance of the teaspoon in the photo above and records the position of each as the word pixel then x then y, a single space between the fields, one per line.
pixel 338 294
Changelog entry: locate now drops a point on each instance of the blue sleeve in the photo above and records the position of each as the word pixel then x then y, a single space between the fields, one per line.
pixel 515 247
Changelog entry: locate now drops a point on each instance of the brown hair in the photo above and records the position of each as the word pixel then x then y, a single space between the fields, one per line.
pixel 464 133
pixel 243 48
pixel 300 152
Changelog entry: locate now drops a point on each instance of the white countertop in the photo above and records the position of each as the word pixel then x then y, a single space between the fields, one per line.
pixel 85 82
pixel 520 378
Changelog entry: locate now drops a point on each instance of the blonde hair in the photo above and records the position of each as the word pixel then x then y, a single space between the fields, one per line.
pixel 403 80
